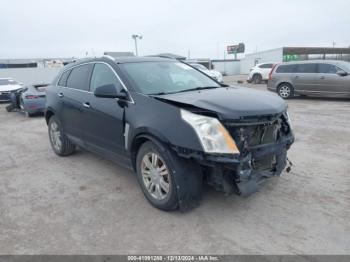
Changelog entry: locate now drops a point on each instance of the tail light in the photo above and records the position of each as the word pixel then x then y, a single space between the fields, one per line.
pixel 270 74
pixel 31 97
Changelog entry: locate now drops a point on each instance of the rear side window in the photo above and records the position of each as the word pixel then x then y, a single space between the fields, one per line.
pixel 63 79
pixel 79 77
pixel 307 68
pixel 103 75
pixel 286 69
pixel 266 66
pixel 327 69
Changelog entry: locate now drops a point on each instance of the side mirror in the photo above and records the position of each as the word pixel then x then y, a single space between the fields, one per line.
pixel 342 73
pixel 109 91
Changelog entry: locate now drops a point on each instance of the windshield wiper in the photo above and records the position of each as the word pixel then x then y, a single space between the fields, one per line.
pixel 185 90
pixel 159 94
pixel 198 88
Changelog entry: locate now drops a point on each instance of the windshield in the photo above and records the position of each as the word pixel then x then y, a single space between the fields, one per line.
pixel 199 66
pixel 7 82
pixel 166 77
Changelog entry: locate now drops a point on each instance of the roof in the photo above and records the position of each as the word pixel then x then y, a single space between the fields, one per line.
pixel 316 50
pixel 118 60
pixel 138 59
pixel 316 61
pixel 169 55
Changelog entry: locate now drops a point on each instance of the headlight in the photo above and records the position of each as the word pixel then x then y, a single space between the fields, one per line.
pixel 211 133
pixel 288 119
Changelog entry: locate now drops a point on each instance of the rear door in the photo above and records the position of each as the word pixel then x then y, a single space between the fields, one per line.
pixel 73 97
pixel 103 117
pixel 305 78
pixel 332 83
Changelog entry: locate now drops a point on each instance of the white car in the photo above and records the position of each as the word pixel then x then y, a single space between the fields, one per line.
pixel 7 86
pixel 259 73
pixel 212 73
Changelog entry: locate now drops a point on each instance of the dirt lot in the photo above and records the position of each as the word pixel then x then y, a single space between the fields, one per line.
pixel 85 205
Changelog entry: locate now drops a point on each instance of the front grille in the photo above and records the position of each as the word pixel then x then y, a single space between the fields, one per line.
pixel 247 135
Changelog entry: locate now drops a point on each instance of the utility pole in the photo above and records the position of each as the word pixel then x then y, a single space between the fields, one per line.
pixel 135 37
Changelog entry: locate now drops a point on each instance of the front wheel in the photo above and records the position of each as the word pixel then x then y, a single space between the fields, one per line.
pixel 285 91
pixel 156 177
pixel 60 143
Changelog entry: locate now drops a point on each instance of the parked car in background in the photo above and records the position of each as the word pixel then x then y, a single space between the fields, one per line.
pixel 212 73
pixel 259 73
pixel 30 99
pixel 8 86
pixel 312 78
pixel 172 124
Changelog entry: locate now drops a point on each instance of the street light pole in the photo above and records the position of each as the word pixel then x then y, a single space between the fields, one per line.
pixel 135 39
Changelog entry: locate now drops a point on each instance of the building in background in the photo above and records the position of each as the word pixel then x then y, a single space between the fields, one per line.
pixel 32 71
pixel 286 54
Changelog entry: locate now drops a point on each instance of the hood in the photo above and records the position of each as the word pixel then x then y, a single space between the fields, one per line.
pixel 231 102
pixel 211 73
pixel 4 88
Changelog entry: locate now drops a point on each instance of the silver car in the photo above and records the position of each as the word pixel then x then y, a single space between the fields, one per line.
pixel 312 77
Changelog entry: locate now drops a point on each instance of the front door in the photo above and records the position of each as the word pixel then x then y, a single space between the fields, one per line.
pixel 330 83
pixel 103 124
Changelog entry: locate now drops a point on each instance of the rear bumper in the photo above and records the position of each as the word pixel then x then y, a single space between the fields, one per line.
pixel 34 106
pixel 271 86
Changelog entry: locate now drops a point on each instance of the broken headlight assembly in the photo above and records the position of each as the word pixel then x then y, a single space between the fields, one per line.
pixel 211 133
pixel 288 119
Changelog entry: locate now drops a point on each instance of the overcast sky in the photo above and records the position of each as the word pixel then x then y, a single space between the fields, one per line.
pixel 66 28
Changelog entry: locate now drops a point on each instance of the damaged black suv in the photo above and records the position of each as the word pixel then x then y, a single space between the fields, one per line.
pixel 172 124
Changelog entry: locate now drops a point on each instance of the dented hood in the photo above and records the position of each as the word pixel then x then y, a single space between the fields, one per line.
pixel 230 102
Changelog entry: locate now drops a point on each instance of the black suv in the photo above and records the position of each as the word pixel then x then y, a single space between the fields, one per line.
pixel 172 124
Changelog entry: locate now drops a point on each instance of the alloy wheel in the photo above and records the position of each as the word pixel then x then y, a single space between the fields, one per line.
pixel 55 136
pixel 155 176
pixel 284 91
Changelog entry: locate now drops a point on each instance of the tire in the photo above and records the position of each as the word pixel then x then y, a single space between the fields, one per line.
pixel 155 174
pixel 60 143
pixel 27 114
pixel 9 108
pixel 257 79
pixel 285 90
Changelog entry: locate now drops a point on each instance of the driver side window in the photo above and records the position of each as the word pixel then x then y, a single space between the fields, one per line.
pixel 103 75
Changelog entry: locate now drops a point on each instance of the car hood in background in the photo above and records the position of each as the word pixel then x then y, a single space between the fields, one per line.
pixel 4 88
pixel 212 73
pixel 231 102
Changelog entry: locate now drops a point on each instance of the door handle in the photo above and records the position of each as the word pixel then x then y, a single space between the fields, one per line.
pixel 60 95
pixel 86 104
pixel 322 77
pixel 296 77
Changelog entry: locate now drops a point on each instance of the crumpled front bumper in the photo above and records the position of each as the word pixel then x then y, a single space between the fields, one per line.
pixel 239 173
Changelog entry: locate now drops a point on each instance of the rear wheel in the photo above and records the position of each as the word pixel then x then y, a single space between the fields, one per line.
pixel 285 90
pixel 9 108
pixel 257 79
pixel 60 143
pixel 27 114
pixel 156 177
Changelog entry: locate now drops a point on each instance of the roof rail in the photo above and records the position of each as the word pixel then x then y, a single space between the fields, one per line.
pixel 109 56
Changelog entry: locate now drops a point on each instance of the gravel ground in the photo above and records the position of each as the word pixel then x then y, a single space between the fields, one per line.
pixel 83 204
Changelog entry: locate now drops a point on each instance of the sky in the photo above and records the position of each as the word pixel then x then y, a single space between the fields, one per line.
pixel 199 28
